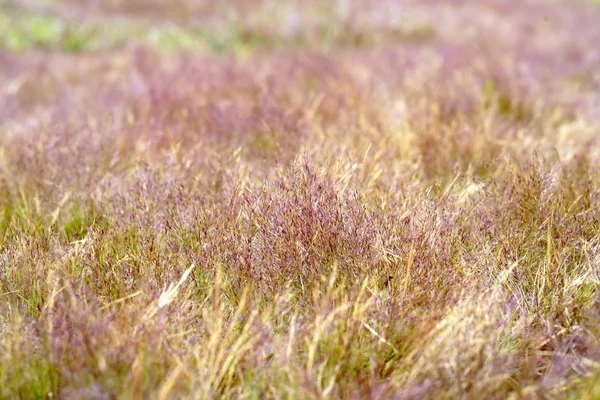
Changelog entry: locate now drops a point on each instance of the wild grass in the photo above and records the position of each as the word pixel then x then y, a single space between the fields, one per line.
pixel 407 219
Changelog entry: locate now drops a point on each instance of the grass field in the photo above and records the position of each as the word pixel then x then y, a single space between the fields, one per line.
pixel 299 199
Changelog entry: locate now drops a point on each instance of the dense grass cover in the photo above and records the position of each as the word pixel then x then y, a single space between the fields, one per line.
pixel 300 200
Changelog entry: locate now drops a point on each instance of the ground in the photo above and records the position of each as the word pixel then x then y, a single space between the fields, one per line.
pixel 299 199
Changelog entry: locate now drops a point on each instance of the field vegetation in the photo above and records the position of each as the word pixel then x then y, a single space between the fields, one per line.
pixel 299 199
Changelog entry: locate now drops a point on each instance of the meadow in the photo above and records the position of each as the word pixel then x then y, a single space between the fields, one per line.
pixel 299 199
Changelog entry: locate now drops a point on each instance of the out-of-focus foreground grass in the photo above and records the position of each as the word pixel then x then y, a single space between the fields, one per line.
pixel 299 199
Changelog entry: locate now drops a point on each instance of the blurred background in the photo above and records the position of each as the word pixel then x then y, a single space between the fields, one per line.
pixel 537 52
pixel 240 26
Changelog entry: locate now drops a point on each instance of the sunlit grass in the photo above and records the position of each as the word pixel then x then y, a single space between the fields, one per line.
pixel 375 210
